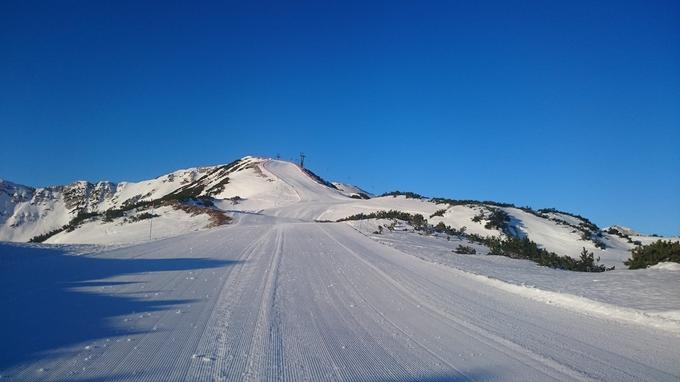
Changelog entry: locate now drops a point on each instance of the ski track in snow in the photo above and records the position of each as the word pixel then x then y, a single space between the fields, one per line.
pixel 278 297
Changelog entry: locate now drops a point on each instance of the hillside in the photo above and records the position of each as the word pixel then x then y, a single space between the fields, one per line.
pixel 199 198
pixel 241 272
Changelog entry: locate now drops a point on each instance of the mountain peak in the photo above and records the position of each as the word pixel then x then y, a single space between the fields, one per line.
pixel 252 187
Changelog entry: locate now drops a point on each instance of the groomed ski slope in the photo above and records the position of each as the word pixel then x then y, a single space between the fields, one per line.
pixel 277 296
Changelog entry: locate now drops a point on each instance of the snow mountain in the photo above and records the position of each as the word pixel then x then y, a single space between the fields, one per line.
pixel 260 270
pixel 204 197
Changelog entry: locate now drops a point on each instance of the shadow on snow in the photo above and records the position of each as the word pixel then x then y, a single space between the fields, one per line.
pixel 469 375
pixel 45 307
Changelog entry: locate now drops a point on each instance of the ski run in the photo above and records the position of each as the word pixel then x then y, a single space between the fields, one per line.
pixel 285 293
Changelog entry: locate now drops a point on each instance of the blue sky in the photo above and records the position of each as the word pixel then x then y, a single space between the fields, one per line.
pixel 574 105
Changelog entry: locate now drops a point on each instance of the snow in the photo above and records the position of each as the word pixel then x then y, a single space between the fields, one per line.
pixel 564 239
pixel 296 301
pixel 350 189
pixel 45 209
pixel 258 188
pixel 41 215
pixel 170 222
pixel 626 230
pixel 277 295
pixel 461 216
pixel 644 296
pixel 564 217
pixel 385 203
pixel 152 189
pixel 666 266
pixel 258 184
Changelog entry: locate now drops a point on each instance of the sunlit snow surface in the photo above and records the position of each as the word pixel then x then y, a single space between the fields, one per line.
pixel 278 296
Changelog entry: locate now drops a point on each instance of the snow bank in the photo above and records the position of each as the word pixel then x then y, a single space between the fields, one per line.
pixel 666 320
pixel 170 222
pixel 648 297
pixel 666 266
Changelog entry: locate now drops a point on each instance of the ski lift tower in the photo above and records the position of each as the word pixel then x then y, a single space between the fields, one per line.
pixel 302 160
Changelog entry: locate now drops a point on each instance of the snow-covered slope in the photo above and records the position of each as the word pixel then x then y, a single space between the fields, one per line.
pixel 352 190
pixel 302 301
pixel 29 212
pixel 284 293
pixel 196 198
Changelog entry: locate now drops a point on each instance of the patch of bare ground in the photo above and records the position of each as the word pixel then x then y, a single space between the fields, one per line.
pixel 217 217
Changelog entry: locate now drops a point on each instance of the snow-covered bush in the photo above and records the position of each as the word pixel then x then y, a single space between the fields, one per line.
pixel 438 213
pixel 523 248
pixel 498 219
pixel 465 250
pixel 407 194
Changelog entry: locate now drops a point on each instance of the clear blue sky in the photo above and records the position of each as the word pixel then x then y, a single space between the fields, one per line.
pixel 570 104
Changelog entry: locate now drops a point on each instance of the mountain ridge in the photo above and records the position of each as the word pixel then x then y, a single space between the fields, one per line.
pixel 202 197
